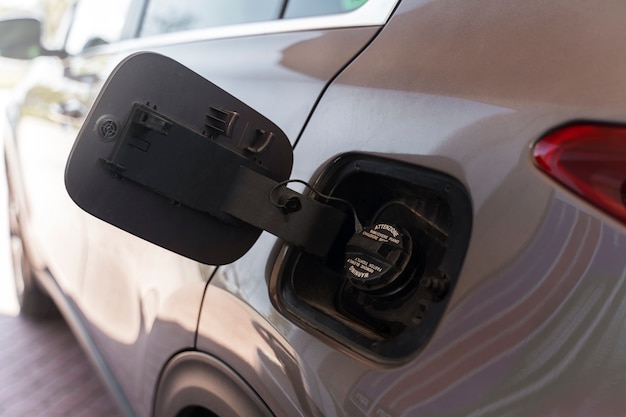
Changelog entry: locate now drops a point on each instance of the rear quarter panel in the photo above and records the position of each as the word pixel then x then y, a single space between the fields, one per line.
pixel 535 326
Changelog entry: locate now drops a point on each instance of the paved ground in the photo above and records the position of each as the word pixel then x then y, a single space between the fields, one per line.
pixel 43 372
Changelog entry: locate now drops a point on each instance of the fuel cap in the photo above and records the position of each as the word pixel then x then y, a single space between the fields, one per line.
pixel 377 256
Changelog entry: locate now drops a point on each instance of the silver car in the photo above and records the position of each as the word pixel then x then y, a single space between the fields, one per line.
pixel 329 208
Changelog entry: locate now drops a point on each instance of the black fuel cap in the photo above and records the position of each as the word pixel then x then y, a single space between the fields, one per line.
pixel 377 256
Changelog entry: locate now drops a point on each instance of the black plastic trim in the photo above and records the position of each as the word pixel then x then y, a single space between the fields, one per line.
pixel 389 331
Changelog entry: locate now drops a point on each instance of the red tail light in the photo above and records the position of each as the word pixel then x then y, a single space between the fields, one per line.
pixel 590 160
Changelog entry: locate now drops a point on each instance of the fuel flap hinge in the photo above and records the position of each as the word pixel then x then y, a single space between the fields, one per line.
pixel 222 177
pixel 293 217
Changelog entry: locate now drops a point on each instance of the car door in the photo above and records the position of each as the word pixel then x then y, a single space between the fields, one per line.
pixel 46 110
pixel 141 303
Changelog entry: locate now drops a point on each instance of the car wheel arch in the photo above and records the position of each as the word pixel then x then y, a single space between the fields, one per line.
pixel 197 384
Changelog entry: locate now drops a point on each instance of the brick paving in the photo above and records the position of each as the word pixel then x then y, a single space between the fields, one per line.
pixel 44 373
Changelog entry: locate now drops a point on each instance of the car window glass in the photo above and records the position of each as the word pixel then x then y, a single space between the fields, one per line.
pixel 96 22
pixel 164 16
pixel 305 8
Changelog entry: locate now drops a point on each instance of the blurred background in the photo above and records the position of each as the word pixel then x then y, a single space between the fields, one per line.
pixel 43 371
pixel 51 12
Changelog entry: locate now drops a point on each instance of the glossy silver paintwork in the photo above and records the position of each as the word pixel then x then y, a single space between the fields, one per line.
pixel 535 324
pixel 253 70
pixel 259 70
pixel 45 138
pixel 140 303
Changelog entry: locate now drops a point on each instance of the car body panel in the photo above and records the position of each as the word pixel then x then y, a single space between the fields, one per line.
pixel 533 325
pixel 140 303
pixel 39 141
pixel 260 71
pixel 252 69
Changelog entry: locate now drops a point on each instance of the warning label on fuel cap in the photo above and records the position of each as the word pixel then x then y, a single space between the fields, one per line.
pixel 383 233
pixel 362 268
pixel 376 256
